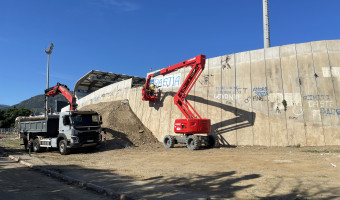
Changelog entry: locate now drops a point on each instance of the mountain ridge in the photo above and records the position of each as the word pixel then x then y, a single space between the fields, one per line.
pixel 3 106
pixel 37 103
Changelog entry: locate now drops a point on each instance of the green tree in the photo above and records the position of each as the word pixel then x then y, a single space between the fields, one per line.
pixel 8 116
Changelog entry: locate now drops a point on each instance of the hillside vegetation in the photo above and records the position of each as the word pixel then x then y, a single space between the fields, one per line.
pixel 7 117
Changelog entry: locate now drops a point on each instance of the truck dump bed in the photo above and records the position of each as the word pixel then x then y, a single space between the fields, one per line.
pixel 42 127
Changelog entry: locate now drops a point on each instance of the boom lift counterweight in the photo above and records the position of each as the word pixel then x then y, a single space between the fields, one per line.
pixel 193 124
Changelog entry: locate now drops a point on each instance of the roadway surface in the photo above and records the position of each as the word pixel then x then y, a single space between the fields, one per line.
pixel 19 182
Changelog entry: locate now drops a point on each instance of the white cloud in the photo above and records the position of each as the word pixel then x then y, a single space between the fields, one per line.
pixel 121 5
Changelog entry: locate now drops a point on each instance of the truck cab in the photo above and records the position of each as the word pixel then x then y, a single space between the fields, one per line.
pixel 80 128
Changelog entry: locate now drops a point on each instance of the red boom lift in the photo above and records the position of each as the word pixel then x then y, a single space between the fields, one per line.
pixel 193 124
pixel 60 88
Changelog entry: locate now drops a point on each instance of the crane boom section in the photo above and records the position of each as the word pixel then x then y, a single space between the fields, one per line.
pixel 63 89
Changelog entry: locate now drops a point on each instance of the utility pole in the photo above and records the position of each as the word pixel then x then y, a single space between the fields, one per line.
pixel 266 31
pixel 48 52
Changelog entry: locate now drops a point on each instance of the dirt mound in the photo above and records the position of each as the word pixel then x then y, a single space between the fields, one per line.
pixel 122 126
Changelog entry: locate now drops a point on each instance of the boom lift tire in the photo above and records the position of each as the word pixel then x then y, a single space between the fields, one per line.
pixel 211 141
pixel 169 141
pixel 63 148
pixel 193 142
pixel 36 145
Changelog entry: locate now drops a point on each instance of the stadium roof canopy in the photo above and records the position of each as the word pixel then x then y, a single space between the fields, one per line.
pixel 95 80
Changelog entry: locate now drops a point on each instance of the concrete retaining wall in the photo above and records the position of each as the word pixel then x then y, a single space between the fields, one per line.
pixel 278 96
pixel 113 92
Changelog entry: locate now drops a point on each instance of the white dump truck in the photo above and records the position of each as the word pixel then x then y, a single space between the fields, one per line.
pixel 67 130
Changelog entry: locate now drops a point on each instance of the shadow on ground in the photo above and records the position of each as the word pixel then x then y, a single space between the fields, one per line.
pixel 218 185
pixel 221 185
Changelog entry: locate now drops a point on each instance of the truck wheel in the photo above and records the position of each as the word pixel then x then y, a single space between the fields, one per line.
pixel 211 141
pixel 63 147
pixel 168 141
pixel 36 145
pixel 193 143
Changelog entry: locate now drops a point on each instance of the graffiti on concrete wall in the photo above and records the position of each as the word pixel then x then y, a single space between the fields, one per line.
pixel 225 62
pixel 321 105
pixel 203 81
pixel 169 81
pixel 235 95
pixel 260 91
pixel 231 94
pixel 93 99
pixel 330 111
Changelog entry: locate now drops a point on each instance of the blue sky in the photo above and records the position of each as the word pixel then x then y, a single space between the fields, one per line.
pixel 130 36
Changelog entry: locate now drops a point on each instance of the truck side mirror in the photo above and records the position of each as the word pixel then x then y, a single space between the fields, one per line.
pixel 66 120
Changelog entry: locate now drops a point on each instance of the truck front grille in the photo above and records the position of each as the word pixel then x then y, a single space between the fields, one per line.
pixel 86 128
pixel 88 137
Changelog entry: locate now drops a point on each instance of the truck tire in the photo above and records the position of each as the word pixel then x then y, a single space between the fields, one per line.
pixel 36 145
pixel 63 148
pixel 193 143
pixel 168 141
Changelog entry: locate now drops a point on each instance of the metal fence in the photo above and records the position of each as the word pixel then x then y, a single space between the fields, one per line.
pixel 7 131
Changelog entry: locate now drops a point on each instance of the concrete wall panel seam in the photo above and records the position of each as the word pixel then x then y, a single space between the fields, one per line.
pixel 235 100
pixel 302 102
pixel 332 77
pixel 268 121
pixel 317 89
pixel 251 96
pixel 283 96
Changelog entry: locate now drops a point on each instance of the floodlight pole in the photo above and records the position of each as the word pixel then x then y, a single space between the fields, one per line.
pixel 266 32
pixel 48 52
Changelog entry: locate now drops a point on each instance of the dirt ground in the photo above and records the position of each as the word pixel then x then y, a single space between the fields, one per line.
pixel 241 172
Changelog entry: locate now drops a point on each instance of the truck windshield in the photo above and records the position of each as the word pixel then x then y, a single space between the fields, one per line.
pixel 85 120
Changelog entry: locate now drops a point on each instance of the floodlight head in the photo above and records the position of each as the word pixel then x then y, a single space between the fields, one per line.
pixel 50 48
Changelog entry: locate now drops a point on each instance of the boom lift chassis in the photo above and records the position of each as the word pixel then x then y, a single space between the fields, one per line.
pixel 193 124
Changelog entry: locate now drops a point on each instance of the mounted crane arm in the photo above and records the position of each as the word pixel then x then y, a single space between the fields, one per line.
pixel 63 89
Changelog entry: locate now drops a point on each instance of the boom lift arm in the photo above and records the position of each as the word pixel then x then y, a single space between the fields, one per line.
pixel 193 124
pixel 63 89
pixel 180 100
